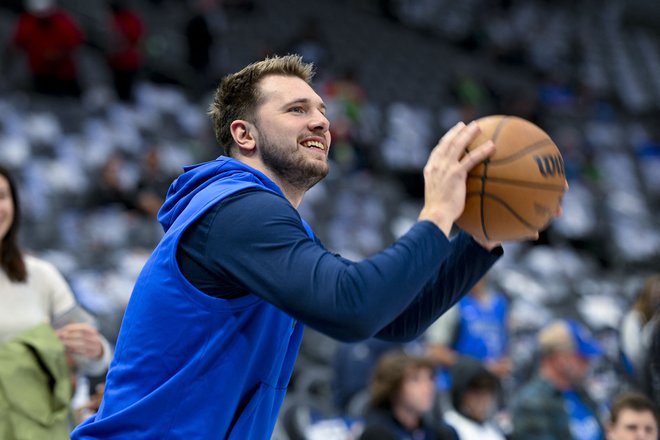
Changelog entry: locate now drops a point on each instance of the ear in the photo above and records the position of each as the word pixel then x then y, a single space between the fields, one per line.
pixel 242 132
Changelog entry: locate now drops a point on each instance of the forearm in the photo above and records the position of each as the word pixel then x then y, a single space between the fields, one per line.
pixel 352 301
pixel 272 256
pixel 465 265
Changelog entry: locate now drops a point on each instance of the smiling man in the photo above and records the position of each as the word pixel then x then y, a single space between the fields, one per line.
pixel 214 323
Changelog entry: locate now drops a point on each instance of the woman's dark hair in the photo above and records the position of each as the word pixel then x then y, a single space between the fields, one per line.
pixel 11 257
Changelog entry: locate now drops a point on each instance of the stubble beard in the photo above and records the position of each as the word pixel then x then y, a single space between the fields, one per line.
pixel 291 166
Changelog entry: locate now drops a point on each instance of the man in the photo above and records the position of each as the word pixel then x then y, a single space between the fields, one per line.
pixel 474 395
pixel 553 405
pixel 213 327
pixel 477 326
pixel 633 417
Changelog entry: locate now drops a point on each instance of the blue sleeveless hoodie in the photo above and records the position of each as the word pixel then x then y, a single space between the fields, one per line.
pixel 188 365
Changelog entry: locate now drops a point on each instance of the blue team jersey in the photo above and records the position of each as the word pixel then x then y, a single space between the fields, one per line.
pixel 482 328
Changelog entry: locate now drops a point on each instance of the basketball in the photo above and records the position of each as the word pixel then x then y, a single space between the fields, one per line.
pixel 517 191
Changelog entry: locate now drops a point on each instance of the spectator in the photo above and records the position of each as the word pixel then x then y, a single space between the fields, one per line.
pixel 310 42
pixel 476 327
pixel 43 332
pixel 123 52
pixel 633 417
pixel 637 328
pixel 153 184
pixel 346 99
pixel 199 37
pixel 352 365
pixel 49 37
pixel 474 396
pixel 653 362
pixel 112 188
pixel 402 391
pixel 553 405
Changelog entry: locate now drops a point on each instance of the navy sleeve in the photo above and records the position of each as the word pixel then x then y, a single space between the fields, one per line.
pixel 466 264
pixel 256 240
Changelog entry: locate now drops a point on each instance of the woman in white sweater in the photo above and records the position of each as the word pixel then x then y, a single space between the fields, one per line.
pixel 33 292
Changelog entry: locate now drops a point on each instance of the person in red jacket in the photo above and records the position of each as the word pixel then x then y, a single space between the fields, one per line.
pixel 123 53
pixel 49 37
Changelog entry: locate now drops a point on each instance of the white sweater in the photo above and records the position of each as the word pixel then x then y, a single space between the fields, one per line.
pixel 44 297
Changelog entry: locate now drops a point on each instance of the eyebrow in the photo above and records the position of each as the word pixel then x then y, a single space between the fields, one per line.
pixel 304 101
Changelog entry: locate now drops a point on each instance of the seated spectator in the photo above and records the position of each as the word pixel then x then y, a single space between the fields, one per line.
pixel 352 365
pixel 633 417
pixel 637 328
pixel 153 183
pixel 111 187
pixel 49 37
pixel 554 405
pixel 653 362
pixel 474 396
pixel 402 391
pixel 477 327
pixel 45 337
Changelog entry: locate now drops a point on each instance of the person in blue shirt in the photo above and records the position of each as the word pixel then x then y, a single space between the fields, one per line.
pixel 213 326
pixel 477 326
pixel 554 404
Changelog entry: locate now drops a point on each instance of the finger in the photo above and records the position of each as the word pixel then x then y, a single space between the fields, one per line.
pixel 478 155
pixel 441 146
pixel 452 132
pixel 458 145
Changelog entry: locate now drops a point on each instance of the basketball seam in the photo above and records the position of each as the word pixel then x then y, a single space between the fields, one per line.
pixel 524 183
pixel 508 208
pixel 524 151
pixel 481 198
pixel 499 127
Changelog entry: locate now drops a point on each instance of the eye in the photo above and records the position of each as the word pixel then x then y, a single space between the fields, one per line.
pixel 297 109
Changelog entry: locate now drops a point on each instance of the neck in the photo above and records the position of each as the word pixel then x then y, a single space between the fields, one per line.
pixel 407 417
pixel 293 194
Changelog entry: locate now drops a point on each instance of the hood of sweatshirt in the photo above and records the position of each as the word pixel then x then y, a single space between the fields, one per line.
pixel 197 177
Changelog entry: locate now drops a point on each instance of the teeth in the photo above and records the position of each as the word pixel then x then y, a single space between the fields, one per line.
pixel 316 144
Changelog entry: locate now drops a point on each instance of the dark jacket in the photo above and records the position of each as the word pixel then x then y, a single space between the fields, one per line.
pixel 539 412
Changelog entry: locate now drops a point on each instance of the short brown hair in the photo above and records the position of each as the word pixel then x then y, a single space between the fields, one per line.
pixel 389 373
pixel 237 96
pixel 633 401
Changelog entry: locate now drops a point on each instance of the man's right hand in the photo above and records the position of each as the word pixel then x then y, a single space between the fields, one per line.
pixel 446 172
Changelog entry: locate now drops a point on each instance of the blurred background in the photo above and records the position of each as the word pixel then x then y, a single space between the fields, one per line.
pixel 96 121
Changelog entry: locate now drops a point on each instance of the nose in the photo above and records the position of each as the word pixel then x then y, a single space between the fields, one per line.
pixel 319 122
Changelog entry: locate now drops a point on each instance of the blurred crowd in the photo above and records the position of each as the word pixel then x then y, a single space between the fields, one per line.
pixel 103 102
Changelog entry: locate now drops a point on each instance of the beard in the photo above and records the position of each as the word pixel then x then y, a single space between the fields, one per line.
pixel 291 165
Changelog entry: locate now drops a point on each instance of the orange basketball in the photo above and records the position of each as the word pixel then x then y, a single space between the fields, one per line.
pixel 518 190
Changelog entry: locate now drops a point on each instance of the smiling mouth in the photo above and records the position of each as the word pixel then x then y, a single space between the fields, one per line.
pixel 313 145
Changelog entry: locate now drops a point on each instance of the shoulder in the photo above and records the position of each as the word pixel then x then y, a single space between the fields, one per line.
pixel 36 267
pixel 536 393
pixel 254 205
